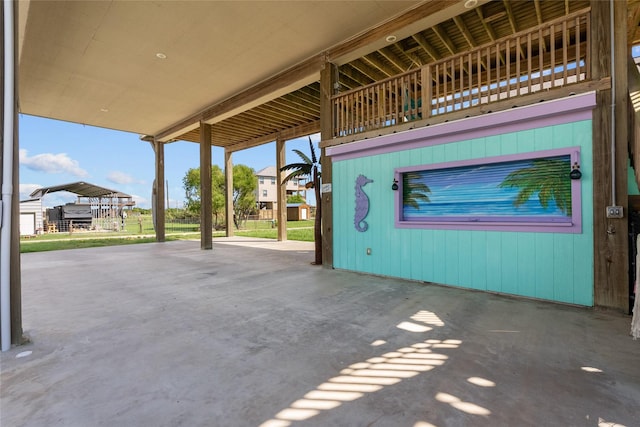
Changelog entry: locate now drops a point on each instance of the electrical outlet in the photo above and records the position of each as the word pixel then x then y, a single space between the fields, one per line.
pixel 615 212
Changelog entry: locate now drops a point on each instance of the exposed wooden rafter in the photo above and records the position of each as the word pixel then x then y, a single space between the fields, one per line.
pixel 375 63
pixel 486 24
pixel 422 41
pixel 394 59
pixel 445 39
pixel 465 31
pixel 512 19
pixel 538 11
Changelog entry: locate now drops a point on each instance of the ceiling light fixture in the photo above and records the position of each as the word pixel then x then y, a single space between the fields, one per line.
pixel 391 39
pixel 104 110
pixel 161 55
pixel 470 3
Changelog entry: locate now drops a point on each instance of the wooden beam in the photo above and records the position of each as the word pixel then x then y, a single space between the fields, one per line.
pixel 415 59
pixel 445 39
pixel 367 70
pixel 610 239
pixel 378 65
pixel 228 196
pixel 206 200
pixel 465 31
pixel 281 215
pixel 325 205
pixel 423 11
pixel 159 191
pixel 276 115
pixel 512 19
pixel 301 99
pixel 485 24
pixel 424 44
pixel 394 59
pixel 495 17
pixel 633 22
pixel 286 134
pixel 356 75
pixel 297 108
pixel 538 11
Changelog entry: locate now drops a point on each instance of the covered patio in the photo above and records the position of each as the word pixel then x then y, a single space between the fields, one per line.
pixel 173 335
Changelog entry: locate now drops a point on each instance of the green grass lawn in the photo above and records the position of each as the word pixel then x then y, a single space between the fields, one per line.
pixel 301 234
pixel 41 246
pixel 296 230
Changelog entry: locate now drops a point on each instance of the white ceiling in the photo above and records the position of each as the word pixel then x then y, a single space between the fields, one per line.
pixel 95 62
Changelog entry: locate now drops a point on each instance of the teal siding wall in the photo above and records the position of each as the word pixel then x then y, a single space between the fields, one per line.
pixel 632 185
pixel 551 266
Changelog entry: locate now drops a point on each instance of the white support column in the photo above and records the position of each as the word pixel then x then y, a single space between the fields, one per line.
pixel 10 278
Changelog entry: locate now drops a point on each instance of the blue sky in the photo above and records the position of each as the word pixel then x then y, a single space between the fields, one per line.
pixel 54 152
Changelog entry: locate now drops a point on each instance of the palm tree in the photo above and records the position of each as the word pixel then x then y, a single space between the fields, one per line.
pixel 414 191
pixel 310 168
pixel 549 178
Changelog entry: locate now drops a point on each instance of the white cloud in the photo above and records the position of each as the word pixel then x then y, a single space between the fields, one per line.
pixel 141 202
pixel 58 198
pixel 52 163
pixel 27 189
pixel 119 177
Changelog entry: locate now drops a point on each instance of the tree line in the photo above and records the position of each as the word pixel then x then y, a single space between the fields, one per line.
pixel 245 183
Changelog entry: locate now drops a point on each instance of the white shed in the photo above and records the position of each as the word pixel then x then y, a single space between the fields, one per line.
pixel 30 217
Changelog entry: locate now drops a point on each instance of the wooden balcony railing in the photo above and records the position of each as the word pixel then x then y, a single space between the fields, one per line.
pixel 553 55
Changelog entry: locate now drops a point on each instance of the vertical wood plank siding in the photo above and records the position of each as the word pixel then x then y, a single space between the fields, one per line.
pixel 504 69
pixel 551 266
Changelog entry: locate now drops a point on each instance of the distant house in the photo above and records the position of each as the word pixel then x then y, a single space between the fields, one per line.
pixel 30 217
pixel 267 192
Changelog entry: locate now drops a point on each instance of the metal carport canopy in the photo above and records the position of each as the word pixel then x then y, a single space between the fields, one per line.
pixel 81 188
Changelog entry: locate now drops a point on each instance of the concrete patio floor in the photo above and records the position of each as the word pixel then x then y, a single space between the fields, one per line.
pixel 251 334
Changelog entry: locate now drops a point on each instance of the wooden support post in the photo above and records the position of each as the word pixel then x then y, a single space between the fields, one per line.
pixel 158 207
pixel 611 248
pixel 206 222
pixel 325 205
pixel 427 87
pixel 228 179
pixel 281 215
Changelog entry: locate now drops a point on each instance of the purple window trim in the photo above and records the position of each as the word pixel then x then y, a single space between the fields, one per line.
pixel 559 111
pixel 496 223
pixel 548 221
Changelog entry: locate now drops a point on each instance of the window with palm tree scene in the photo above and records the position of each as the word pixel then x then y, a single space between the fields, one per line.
pixel 526 191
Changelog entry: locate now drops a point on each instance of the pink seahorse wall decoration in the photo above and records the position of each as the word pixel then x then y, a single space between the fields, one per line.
pixel 362 204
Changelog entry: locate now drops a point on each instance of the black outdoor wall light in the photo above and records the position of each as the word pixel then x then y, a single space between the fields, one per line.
pixel 575 171
pixel 394 186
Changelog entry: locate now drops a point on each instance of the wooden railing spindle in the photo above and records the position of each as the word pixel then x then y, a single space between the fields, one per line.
pixel 412 95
